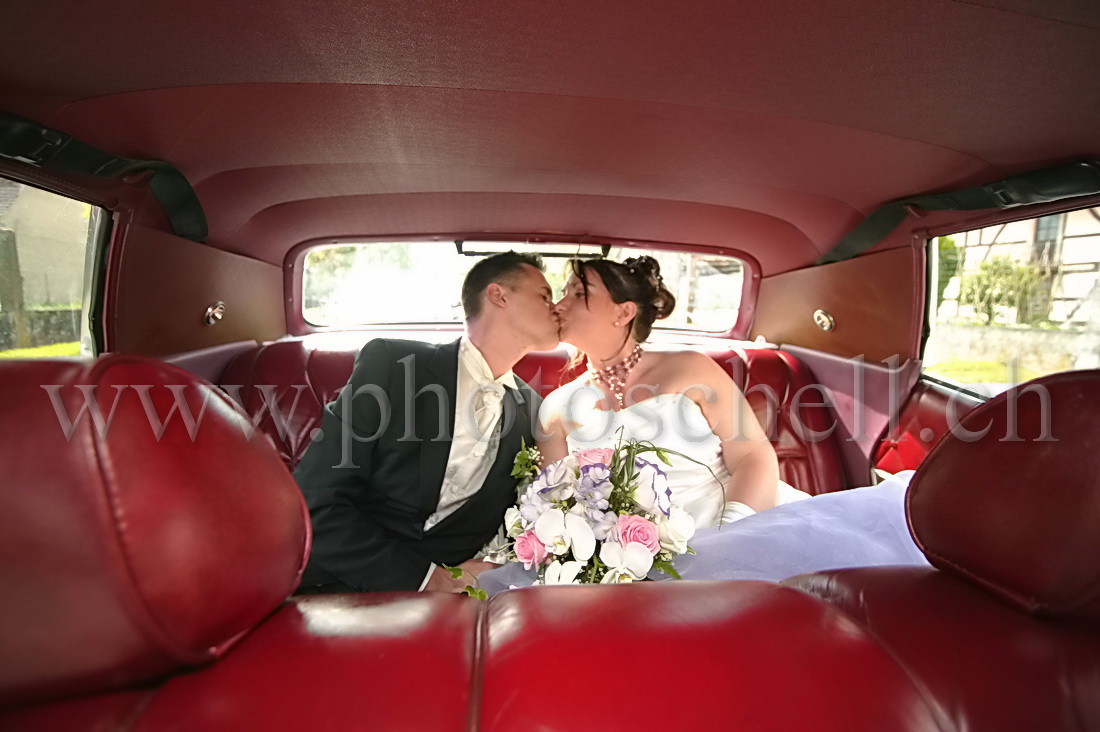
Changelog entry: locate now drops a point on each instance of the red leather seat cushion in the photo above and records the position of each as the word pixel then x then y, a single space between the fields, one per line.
pixel 124 555
pixel 1017 511
pixel 987 665
pixel 687 656
pixel 325 662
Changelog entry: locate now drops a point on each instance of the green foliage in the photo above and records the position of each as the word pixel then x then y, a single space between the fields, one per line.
pixel 948 255
pixel 662 565
pixel 525 468
pixel 999 281
pixel 331 262
pixel 475 592
pixel 456 572
pixel 325 267
pixel 526 464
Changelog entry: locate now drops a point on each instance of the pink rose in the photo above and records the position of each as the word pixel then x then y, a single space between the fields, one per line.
pixel 594 456
pixel 638 530
pixel 530 550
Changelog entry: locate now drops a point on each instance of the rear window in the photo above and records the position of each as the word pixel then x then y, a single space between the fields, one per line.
pixel 1012 302
pixel 47 245
pixel 419 282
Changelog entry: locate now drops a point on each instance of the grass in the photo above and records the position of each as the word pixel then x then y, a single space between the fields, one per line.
pixel 54 349
pixel 53 307
pixel 979 372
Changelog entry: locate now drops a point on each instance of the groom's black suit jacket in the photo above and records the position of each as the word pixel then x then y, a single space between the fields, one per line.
pixel 374 476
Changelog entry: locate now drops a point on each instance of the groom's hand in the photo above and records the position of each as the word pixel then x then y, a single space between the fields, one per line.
pixel 442 581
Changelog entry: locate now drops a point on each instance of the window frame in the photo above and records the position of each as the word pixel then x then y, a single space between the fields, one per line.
pixel 925 239
pixel 94 279
pixel 294 266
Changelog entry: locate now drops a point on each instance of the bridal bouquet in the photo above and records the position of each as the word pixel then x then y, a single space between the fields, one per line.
pixel 598 516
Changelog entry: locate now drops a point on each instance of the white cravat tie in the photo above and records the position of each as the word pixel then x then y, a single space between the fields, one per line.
pixel 490 399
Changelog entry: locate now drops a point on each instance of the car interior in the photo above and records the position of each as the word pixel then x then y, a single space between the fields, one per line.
pixel 881 220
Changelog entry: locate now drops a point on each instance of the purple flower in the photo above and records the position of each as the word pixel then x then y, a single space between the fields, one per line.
pixel 603 523
pixel 532 505
pixel 594 486
pixel 556 482
pixel 652 492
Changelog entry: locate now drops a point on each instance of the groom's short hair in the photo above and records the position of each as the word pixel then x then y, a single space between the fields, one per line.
pixel 504 269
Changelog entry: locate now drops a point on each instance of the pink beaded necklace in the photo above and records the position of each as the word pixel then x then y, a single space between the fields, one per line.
pixel 614 376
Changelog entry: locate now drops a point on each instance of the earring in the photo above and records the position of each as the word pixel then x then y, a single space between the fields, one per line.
pixel 616 324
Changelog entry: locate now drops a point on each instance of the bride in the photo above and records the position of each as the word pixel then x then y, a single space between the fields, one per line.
pixel 750 525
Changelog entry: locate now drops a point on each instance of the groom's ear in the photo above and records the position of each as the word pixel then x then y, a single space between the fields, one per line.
pixel 496 294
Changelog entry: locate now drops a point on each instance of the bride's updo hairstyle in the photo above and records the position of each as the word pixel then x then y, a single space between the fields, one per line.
pixel 637 280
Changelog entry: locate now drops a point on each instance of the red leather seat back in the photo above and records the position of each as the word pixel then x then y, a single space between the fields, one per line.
pixel 132 550
pixel 1011 499
pixel 793 411
pixel 284 386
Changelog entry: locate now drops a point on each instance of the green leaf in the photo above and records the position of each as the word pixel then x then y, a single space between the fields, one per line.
pixel 477 593
pixel 456 572
pixel 666 567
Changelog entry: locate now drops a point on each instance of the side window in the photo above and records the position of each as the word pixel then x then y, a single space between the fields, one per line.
pixel 1012 302
pixel 47 262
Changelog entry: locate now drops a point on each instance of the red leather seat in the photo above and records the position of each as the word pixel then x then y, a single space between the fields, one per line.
pixel 128 560
pixel 123 555
pixel 1004 631
pixel 283 386
pixel 687 656
pixel 146 566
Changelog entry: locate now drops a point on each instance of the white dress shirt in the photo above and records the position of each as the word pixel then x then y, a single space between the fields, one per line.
pixel 478 407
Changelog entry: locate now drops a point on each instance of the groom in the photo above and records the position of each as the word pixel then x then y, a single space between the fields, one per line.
pixel 412 469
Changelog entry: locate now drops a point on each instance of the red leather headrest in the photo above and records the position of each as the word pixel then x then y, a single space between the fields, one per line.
pixel 1017 510
pixel 123 557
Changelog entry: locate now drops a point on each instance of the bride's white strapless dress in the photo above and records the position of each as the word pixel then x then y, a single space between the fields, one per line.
pixel 853 528
pixel 673 422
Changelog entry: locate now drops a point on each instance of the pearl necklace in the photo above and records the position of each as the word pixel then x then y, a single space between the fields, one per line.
pixel 614 376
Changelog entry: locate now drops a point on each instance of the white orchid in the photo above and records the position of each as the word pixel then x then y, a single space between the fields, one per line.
pixel 625 563
pixel 513 522
pixel 560 531
pixel 675 530
pixel 563 573
pixel 616 577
